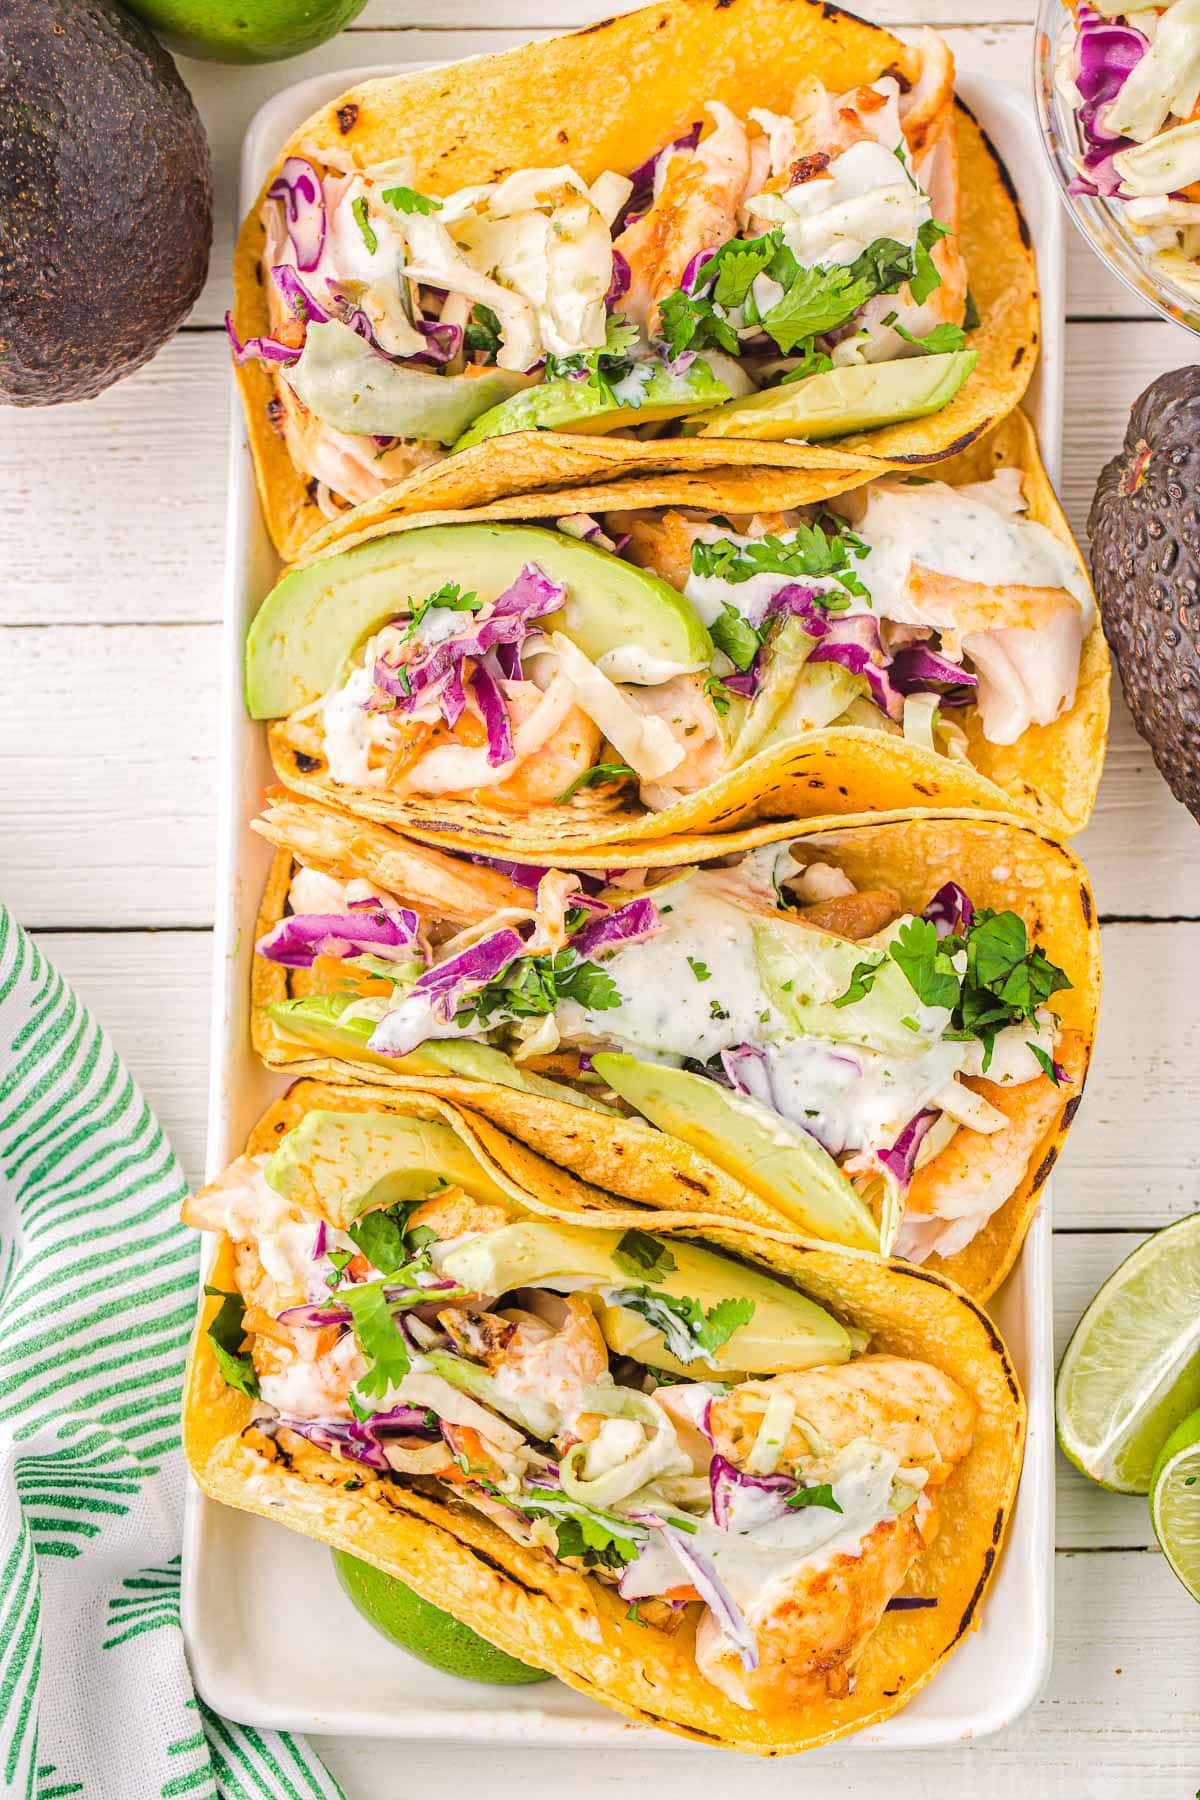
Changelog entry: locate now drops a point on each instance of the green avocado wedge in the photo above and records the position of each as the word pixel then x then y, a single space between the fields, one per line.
pixel 342 1165
pixel 314 1019
pixel 351 387
pixel 582 406
pixel 317 616
pixel 775 1160
pixel 425 1631
pixel 785 1330
pixel 858 397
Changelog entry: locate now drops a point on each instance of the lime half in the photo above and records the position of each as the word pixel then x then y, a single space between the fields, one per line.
pixel 425 1631
pixel 1175 1502
pixel 1131 1371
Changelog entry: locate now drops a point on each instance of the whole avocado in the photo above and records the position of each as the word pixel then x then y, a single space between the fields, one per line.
pixel 105 199
pixel 1145 532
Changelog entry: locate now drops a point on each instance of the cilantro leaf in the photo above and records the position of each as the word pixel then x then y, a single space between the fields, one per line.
pixel 1048 1065
pixel 532 986
pixel 862 980
pixel 817 301
pixel 931 975
pixel 925 277
pixel 691 1333
pixel 408 200
pixel 821 1495
pixel 450 596
pixel 719 694
pixel 699 969
pixel 808 550
pixel 603 366
pixel 644 1257
pixel 684 322
pixel 382 1236
pixel 379 1338
pixel 599 772
pixel 227 1334
pixel 482 333
pixel 812 362
pixel 735 635
pixel 937 342
pixel 885 264
pixel 359 208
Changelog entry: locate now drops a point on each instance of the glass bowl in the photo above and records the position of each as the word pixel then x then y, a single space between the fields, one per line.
pixel 1100 221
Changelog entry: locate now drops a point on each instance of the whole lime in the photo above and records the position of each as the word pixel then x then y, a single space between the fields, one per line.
pixel 246 30
pixel 432 1636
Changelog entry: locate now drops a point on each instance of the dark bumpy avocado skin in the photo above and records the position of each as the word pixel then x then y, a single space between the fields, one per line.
pixel 1145 531
pixel 105 198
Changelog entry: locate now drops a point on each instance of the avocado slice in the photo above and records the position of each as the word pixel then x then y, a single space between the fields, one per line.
pixel 342 1165
pixel 787 1330
pixel 858 397
pixel 315 1020
pixel 776 1160
pixel 805 970
pixel 314 618
pixel 565 405
pixel 351 387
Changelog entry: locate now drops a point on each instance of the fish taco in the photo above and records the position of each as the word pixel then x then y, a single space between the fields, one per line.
pixel 875 1036
pixel 762 233
pixel 633 666
pixel 742 1488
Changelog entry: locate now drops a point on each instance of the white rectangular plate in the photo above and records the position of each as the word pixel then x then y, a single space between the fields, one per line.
pixel 271 1639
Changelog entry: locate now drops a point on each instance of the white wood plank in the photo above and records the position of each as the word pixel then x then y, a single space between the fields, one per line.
pixel 1118 1718
pixel 108 774
pixel 151 990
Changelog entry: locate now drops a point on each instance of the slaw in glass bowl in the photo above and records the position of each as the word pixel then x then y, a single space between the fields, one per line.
pixel 1104 222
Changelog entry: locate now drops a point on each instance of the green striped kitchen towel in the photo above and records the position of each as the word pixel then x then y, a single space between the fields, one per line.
pixel 97 1289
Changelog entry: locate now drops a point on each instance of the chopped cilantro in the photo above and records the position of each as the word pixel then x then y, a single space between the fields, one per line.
pixel 821 1495
pixel 379 1338
pixel 971 314
pixel 925 277
pixel 919 954
pixel 603 366
pixel 937 342
pixel 812 362
pixel 340 1260
pixel 810 550
pixel 382 1236
pixel 643 1257
pixel 691 1333
pixel 407 200
pixel 700 970
pixel 716 1010
pixel 635 1615
pixel 736 637
pixel 599 773
pixel 818 300
pixel 450 597
pixel 532 986
pixel 359 208
pixel 482 334
pixel 862 980
pixel 719 694
pixel 227 1334
pixel 1047 1063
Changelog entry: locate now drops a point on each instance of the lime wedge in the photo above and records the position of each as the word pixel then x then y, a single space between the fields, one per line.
pixel 1131 1371
pixel 1175 1502
pixel 433 1636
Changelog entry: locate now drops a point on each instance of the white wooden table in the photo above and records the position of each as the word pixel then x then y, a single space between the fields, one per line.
pixel 110 583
